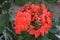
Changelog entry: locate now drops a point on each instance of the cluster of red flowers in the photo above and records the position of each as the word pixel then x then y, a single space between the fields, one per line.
pixel 25 17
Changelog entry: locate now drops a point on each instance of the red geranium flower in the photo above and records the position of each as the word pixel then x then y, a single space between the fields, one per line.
pixel 22 21
pixel 34 19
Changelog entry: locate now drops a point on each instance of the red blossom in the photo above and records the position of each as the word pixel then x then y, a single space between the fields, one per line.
pixel 26 16
pixel 37 33
pixel 22 21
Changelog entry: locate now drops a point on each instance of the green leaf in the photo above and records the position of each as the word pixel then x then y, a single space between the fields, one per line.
pixel 48 1
pixel 44 38
pixel 32 1
pixel 11 33
pixel 20 38
pixel 53 31
pixel 6 6
pixel 51 35
pixel 4 19
pixel 0 10
pixel 26 36
pixel 30 37
pixel 35 1
pixel 39 38
pixel 20 2
pixel 1 1
pixel 1 29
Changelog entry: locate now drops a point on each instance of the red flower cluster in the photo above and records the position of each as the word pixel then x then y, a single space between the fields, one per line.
pixel 25 17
